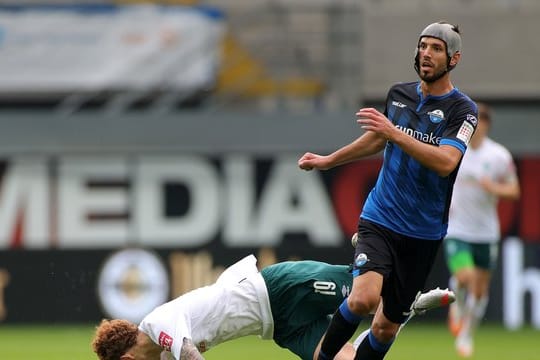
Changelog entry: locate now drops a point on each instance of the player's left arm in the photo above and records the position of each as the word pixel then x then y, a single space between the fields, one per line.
pixel 505 186
pixel 460 125
pixel 442 159
pixel 507 190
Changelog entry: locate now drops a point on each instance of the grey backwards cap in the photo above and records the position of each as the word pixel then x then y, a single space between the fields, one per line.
pixel 445 33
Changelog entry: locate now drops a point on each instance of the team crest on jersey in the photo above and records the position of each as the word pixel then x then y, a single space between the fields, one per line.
pixel 165 341
pixel 436 116
pixel 472 119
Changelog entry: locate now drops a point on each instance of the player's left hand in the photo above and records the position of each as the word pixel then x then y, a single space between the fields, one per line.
pixel 372 119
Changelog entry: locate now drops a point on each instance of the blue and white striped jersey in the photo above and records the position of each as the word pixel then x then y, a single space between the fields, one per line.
pixel 409 198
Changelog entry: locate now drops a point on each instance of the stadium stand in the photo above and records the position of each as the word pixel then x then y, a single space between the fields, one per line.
pixel 341 52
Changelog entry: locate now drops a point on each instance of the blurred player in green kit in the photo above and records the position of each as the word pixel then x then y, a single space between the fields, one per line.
pixel 487 174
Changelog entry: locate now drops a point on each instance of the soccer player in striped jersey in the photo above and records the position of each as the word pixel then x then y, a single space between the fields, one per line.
pixel 424 132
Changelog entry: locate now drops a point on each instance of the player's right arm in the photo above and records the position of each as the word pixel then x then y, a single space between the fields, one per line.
pixel 189 351
pixel 367 144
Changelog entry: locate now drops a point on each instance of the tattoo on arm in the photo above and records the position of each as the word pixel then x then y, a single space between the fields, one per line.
pixel 189 351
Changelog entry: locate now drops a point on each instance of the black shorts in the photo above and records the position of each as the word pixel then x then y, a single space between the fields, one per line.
pixel 404 262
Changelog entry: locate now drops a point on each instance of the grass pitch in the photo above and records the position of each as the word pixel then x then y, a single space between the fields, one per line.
pixel 416 341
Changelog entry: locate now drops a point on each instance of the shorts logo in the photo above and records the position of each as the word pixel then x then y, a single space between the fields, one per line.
pixel 436 116
pixel 345 291
pixel 361 260
pixel 165 341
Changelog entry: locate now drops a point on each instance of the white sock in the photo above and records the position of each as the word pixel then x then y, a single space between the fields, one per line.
pixel 479 309
pixel 360 338
pixel 475 311
pixel 473 314
pixel 461 295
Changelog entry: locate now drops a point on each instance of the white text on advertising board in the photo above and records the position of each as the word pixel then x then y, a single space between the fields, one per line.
pixel 161 200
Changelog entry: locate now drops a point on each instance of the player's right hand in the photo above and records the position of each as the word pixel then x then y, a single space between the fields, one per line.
pixel 308 161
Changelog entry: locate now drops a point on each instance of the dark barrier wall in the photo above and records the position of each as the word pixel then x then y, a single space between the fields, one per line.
pixel 76 285
pixel 85 285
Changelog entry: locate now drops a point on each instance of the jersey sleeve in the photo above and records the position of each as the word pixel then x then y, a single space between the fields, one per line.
pixel 167 327
pixel 461 126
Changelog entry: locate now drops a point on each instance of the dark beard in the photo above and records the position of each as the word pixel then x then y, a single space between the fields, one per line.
pixel 434 77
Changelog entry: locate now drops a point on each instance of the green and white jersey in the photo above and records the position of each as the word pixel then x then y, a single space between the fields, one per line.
pixel 473 211
pixel 235 305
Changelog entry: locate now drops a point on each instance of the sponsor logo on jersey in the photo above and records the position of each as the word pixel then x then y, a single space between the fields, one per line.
pixel 472 119
pixel 465 132
pixel 436 116
pixel 165 341
pixel 430 138
pixel 398 104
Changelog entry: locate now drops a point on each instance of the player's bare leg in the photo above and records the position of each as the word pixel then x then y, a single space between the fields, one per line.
pixel 474 310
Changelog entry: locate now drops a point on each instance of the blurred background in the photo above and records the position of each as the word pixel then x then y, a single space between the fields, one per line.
pixel 144 146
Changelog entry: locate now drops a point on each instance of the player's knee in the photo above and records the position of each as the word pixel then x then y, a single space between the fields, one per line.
pixel 385 332
pixel 363 304
pixel 464 276
pixel 479 292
